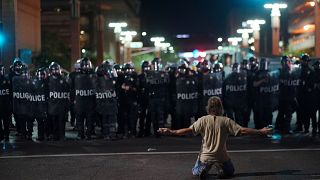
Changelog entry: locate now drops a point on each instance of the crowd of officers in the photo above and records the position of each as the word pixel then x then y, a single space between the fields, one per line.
pixel 125 104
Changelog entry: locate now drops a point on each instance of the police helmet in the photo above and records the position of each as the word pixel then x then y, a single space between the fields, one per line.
pixel 217 67
pixel 100 70
pixel 244 64
pixel 128 68
pixel 54 69
pixel 204 66
pixel 264 64
pixel 77 66
pixel 253 63
pixel 86 65
pixel 145 66
pixel 236 67
pixel 17 66
pixel 305 58
pixel 285 62
pixel 118 68
pixel 41 73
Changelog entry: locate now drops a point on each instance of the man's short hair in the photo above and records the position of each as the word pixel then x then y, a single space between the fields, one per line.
pixel 215 106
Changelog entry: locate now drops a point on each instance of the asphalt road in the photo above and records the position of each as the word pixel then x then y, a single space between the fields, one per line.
pixel 291 157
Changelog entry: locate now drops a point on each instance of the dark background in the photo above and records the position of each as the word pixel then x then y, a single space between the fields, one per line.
pixel 204 20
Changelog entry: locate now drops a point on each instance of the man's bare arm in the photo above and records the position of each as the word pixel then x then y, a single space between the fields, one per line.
pixel 250 131
pixel 179 132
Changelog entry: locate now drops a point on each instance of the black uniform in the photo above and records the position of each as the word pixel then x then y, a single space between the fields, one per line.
pixel 107 105
pixel 58 106
pixel 84 93
pixel 21 90
pixel 5 106
pixel 144 115
pixel 251 73
pixel 72 76
pixel 288 104
pixel 235 96
pixel 306 99
pixel 38 105
pixel 186 99
pixel 157 88
pixel 129 105
pixel 266 98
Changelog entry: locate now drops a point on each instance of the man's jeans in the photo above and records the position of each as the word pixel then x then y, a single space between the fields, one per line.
pixel 225 169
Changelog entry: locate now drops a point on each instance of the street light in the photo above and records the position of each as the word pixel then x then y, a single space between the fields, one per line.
pixel 245 36
pixel 127 37
pixel 157 43
pixel 255 26
pixel 234 40
pixel 117 30
pixel 275 24
pixel 118 26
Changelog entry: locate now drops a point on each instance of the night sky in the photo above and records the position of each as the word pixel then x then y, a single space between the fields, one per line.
pixel 204 20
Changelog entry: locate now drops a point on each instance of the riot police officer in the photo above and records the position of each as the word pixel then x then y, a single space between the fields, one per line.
pixel 58 102
pixel 21 89
pixel 143 97
pixel 235 94
pixel 157 88
pixel 72 76
pixel 316 124
pixel 186 95
pixel 251 73
pixel 266 96
pixel 106 97
pixel 84 92
pixel 171 108
pixel 38 101
pixel 130 102
pixel 210 84
pixel 5 104
pixel 306 96
pixel 288 89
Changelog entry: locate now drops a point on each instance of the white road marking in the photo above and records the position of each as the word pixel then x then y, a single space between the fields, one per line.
pixel 154 153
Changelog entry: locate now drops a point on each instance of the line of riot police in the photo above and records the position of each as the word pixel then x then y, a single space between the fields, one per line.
pixel 122 101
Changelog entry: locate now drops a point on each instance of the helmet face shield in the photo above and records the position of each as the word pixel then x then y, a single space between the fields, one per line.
pixel 18 66
pixel 86 65
pixel 236 68
pixel 54 69
pixel 264 64
pixel 41 74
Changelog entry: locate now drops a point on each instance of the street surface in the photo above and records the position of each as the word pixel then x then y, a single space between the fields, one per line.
pixel 291 157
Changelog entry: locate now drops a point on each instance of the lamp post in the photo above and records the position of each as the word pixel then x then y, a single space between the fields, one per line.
pixel 117 30
pixel 275 24
pixel 126 40
pixel 157 44
pixel 245 36
pixel 255 25
pixel 234 40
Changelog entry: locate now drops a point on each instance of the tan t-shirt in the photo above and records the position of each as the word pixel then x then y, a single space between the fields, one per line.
pixel 214 131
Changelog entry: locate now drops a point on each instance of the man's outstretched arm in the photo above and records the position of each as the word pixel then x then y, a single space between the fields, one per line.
pixel 250 131
pixel 179 132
